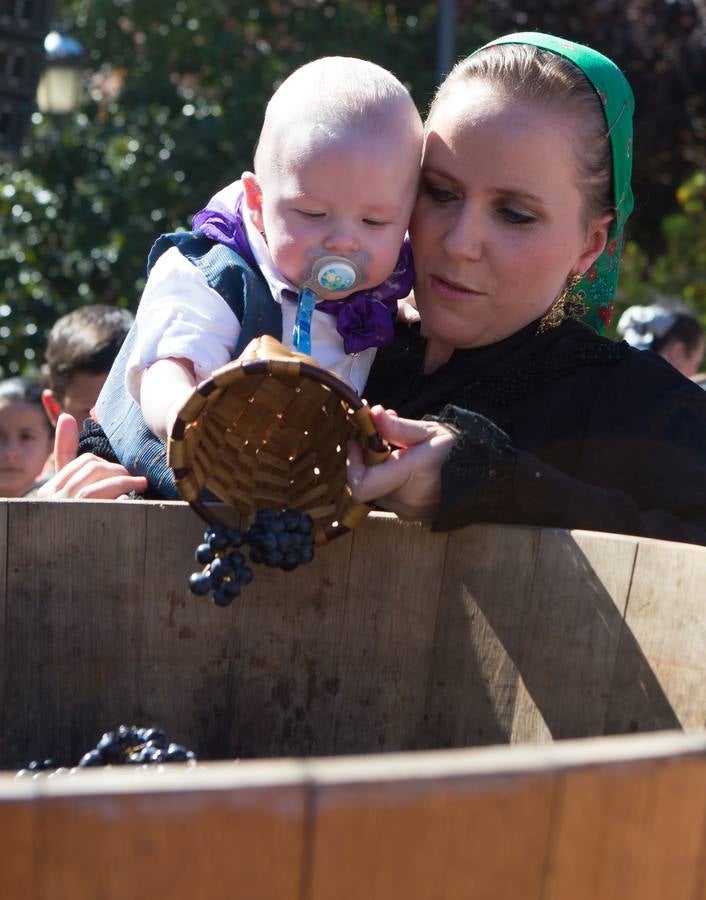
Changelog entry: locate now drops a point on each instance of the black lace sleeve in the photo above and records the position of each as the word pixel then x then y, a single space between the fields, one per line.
pixel 478 475
pixel 486 479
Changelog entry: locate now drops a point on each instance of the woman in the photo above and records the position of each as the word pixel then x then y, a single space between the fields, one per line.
pixel 675 334
pixel 537 420
pixel 517 230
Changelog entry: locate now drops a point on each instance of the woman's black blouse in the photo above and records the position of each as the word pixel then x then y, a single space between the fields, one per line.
pixel 561 429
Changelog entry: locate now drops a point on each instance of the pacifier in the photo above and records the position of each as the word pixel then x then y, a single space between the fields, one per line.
pixel 333 273
pixel 330 274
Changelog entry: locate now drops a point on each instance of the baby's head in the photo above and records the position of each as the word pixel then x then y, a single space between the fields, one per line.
pixel 25 436
pixel 336 169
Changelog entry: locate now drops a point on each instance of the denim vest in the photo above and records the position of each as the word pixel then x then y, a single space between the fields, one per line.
pixel 245 291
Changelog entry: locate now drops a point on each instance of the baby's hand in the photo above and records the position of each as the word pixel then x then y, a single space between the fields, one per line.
pixel 407 311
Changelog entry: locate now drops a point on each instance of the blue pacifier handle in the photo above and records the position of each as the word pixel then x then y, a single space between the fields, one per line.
pixel 301 335
pixel 329 273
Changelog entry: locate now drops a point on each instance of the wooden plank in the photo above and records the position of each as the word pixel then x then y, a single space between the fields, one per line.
pixel 570 641
pixel 179 834
pixel 633 832
pixel 386 640
pixel 183 643
pixel 416 834
pixel 68 632
pixel 18 839
pixel 287 647
pixel 484 604
pixel 615 818
pixel 6 674
pixel 662 685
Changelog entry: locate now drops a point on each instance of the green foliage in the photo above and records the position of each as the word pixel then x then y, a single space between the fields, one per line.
pixel 680 271
pixel 176 102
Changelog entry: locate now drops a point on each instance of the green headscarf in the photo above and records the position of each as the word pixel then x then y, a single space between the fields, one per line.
pixel 597 287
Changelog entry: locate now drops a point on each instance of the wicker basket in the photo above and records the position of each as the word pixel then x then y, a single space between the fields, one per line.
pixel 270 430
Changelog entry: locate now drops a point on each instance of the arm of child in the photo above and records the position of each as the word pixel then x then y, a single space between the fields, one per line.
pixel 164 387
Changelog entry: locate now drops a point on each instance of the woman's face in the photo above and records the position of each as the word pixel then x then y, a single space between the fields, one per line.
pixel 497 227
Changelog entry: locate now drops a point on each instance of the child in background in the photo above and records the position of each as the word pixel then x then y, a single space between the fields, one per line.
pixel 81 348
pixel 336 171
pixel 673 333
pixel 26 436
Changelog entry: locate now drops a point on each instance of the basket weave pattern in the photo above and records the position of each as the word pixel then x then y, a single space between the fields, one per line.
pixel 270 430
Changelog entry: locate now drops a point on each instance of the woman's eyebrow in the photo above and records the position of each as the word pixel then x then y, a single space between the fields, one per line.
pixel 503 190
pixel 522 195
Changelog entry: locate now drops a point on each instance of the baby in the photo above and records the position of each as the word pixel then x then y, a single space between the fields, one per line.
pixel 335 178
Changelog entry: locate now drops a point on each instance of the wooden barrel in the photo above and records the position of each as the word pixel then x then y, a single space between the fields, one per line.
pixel 394 638
pixel 617 818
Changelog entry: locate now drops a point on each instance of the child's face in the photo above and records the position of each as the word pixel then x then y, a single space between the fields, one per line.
pixel 349 197
pixel 25 444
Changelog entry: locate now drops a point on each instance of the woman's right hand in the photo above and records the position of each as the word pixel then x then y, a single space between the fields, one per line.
pixel 85 477
pixel 408 483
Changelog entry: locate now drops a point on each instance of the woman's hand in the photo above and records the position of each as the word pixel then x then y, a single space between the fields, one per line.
pixel 409 482
pixel 85 477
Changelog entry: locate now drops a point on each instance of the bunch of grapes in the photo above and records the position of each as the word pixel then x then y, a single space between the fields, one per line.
pixel 127 745
pixel 280 540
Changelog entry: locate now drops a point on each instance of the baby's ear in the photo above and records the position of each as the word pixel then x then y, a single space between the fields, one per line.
pixel 253 199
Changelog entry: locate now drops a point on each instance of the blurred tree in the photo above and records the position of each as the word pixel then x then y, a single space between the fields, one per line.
pixel 176 103
pixel 679 271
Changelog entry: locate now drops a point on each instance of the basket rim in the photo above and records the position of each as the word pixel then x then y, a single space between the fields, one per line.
pixel 262 367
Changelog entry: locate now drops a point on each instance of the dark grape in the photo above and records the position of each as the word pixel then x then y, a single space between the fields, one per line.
pixel 204 554
pixel 217 538
pixel 200 583
pixel 306 525
pixel 221 596
pixel 291 561
pixel 154 736
pixel 306 554
pixel 235 537
pixel 274 559
pixel 265 518
pixel 92 758
pixel 267 543
pixel 177 753
pixel 231 588
pixel 290 519
pixel 221 568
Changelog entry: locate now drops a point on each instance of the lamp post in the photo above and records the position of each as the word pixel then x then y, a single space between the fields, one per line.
pixel 59 89
pixel 445 39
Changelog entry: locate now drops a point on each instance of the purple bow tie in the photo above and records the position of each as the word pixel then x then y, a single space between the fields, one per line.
pixel 364 319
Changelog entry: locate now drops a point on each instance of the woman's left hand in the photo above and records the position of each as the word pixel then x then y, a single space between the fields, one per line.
pixel 409 482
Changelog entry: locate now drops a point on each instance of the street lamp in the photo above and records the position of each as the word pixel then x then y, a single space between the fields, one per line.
pixel 59 89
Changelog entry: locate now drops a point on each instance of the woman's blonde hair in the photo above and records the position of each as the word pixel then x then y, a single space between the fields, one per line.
pixel 535 76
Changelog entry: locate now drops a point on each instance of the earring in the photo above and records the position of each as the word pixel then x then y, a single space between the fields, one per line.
pixel 568 305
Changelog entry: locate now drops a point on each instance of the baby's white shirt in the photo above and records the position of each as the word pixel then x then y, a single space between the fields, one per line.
pixel 181 316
